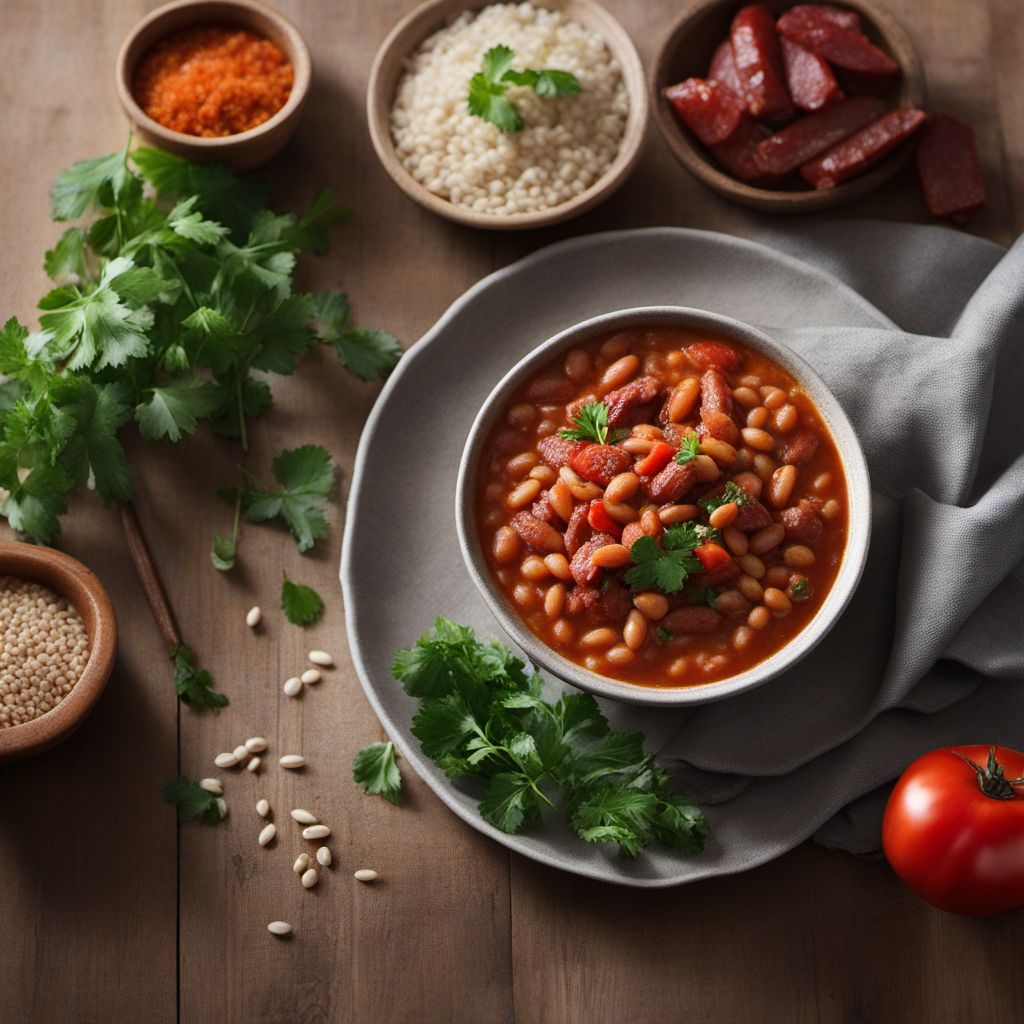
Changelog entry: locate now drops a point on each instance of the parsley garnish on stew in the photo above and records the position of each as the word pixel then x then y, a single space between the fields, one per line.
pixel 488 86
pixel 591 424
pixel 801 590
pixel 689 450
pixel 731 493
pixel 482 715
pixel 666 569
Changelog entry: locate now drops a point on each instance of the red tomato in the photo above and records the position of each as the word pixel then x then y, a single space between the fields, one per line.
pixel 600 520
pixel 954 829
pixel 656 460
pixel 711 555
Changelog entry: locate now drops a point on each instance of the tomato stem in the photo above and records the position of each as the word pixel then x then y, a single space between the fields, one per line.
pixel 991 779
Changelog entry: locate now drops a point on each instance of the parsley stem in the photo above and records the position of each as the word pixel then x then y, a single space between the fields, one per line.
pixel 242 432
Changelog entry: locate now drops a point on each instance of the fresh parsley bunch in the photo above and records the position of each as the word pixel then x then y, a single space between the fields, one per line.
pixel 487 88
pixel 171 307
pixel 482 715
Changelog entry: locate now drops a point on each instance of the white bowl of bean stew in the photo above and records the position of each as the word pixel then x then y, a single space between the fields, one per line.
pixel 664 506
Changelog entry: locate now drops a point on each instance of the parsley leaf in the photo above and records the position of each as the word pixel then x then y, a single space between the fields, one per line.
pixel 366 352
pixel 301 604
pixel 488 86
pixel 194 802
pixel 663 635
pixel 800 590
pixel 376 770
pixel 89 183
pixel 482 715
pixel 689 450
pixel 194 685
pixel 732 492
pixel 591 424
pixel 665 569
pixel 175 409
pixel 306 476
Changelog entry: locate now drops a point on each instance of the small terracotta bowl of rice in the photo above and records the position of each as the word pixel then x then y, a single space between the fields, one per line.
pixel 572 151
pixel 58 639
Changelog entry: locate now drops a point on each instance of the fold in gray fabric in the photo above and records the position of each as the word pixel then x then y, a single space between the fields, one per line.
pixel 930 651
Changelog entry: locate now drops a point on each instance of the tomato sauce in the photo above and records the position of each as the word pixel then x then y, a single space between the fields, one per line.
pixel 697 540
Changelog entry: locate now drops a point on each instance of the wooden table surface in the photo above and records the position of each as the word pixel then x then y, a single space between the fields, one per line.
pixel 111 913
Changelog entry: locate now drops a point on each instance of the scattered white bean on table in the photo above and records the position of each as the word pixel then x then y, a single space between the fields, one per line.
pixel 293 687
pixel 323 856
pixel 292 761
pixel 211 786
pixel 262 808
pixel 267 834
pixel 304 817
pixel 253 616
pixel 316 832
pixel 321 658
pixel 279 928
pixel 256 744
pixel 365 875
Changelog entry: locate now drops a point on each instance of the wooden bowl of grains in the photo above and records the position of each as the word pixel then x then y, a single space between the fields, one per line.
pixel 58 638
pixel 508 116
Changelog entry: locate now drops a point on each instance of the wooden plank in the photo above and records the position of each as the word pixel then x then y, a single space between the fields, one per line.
pixel 87 847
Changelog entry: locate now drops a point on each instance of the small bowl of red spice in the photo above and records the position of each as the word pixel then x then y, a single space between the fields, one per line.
pixel 223 80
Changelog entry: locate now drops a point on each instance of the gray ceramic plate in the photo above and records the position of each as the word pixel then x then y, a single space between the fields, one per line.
pixel 401 565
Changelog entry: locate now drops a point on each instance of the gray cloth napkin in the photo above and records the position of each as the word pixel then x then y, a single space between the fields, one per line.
pixel 930 651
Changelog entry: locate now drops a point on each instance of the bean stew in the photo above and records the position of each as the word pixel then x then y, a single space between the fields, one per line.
pixel 662 508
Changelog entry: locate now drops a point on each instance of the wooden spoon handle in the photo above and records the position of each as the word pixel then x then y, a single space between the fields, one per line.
pixel 146 569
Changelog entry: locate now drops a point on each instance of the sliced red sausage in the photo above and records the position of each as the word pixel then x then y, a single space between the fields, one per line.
pixel 808 77
pixel 669 485
pixel 758 58
pixel 695 619
pixel 737 154
pixel 577 530
pixel 800 448
pixel 715 393
pixel 709 109
pixel 712 355
pixel 724 573
pixel 805 139
pixel 536 533
pixel 723 68
pixel 624 401
pixel 542 509
pixel 841 16
pixel 948 168
pixel 609 602
pixel 802 523
pixel 856 154
pixel 555 450
pixel 600 462
pixel 845 49
pixel 752 516
pixel 582 571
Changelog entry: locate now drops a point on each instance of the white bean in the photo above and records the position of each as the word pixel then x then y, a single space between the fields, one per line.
pixel 311 676
pixel 365 875
pixel 310 877
pixel 226 760
pixel 293 687
pixel 279 928
pixel 254 765
pixel 252 618
pixel 241 753
pixel 262 808
pixel 316 832
pixel 256 744
pixel 301 863
pixel 323 856
pixel 304 817
pixel 267 834
pixel 211 786
pixel 292 761
pixel 321 658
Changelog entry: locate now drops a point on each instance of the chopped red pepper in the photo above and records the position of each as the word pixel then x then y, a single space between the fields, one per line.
pixel 655 460
pixel 711 555
pixel 600 520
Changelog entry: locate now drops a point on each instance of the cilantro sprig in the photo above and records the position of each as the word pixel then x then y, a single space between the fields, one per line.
pixel 482 715
pixel 668 565
pixel 488 88
pixel 591 425
pixel 170 308
pixel 302 605
pixel 688 450
pixel 376 770
pixel 731 493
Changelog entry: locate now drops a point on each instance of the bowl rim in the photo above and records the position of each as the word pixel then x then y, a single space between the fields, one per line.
pixel 294 46
pixel 851 457
pixel 692 155
pixel 430 16
pixel 82 589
